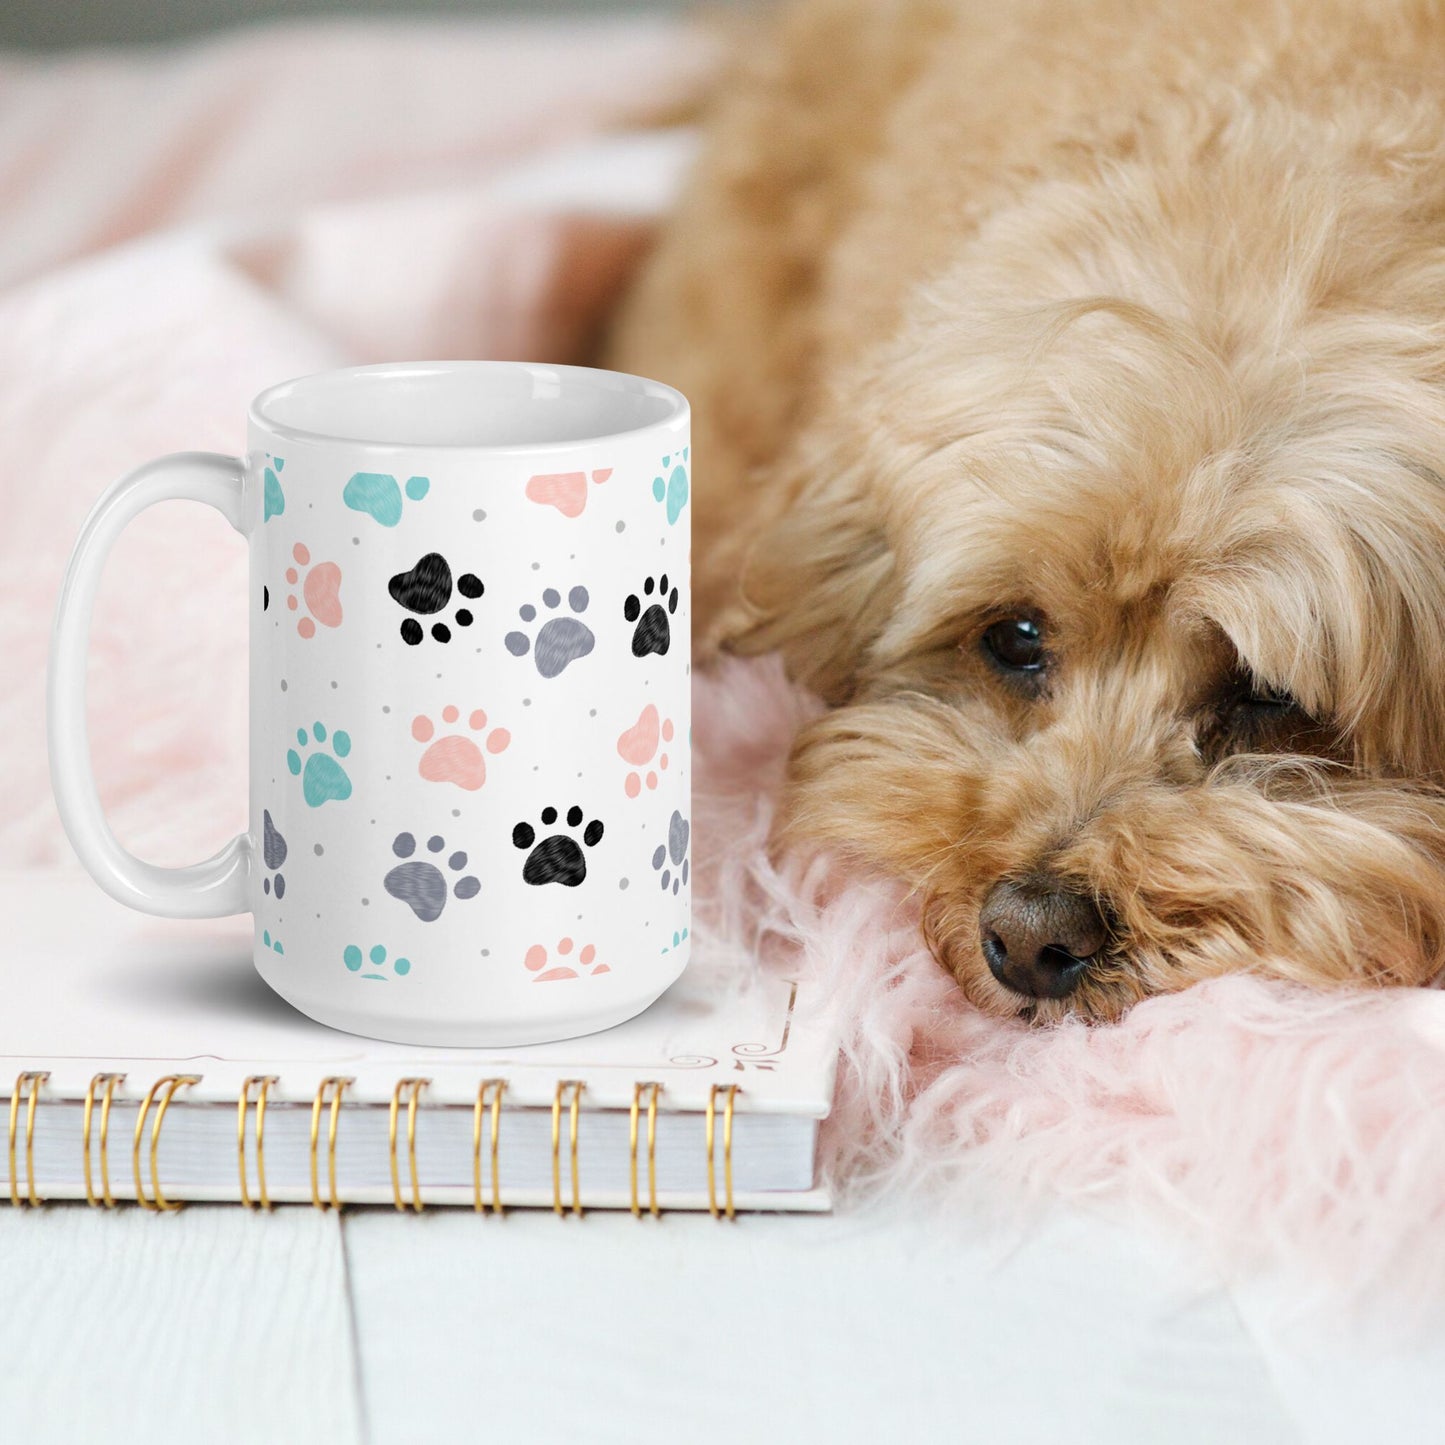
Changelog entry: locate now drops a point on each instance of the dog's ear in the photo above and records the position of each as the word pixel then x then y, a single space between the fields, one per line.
pixel 816 579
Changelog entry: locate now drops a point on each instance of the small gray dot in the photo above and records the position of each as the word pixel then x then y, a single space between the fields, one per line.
pixel 318 850
pixel 622 884
pixel 592 712
pixel 386 707
pixel 356 541
pixel 526 702
pixel 486 953
pixel 366 903
pixel 536 566
pixel 622 526
pixel 283 684
pixel 457 812
pixel 333 686
pixel 536 767
pixel 479 515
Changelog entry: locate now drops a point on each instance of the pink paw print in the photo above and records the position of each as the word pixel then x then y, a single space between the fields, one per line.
pixel 567 491
pixel 455 757
pixel 321 587
pixel 536 961
pixel 639 746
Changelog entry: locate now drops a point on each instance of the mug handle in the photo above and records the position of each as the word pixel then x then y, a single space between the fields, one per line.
pixel 203 890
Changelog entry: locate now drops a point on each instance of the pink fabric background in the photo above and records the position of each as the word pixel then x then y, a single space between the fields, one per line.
pixel 183 227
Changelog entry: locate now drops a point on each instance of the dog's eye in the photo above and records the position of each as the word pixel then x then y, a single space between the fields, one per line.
pixel 1016 643
pixel 1266 700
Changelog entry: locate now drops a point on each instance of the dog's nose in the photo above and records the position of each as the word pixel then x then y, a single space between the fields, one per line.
pixel 1038 936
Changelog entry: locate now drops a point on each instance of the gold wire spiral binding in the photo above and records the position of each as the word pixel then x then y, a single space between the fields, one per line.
pixel 654 1091
pixel 416 1086
pixel 264 1082
pixel 337 1087
pixel 33 1083
pixel 732 1091
pixel 496 1087
pixel 576 1086
pixel 170 1083
pixel 110 1081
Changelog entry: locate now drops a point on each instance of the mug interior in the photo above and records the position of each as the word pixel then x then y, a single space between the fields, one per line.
pixel 482 404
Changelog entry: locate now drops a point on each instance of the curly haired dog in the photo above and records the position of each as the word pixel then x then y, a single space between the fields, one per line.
pixel 1069 388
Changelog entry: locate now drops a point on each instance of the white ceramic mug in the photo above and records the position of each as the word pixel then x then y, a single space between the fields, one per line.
pixel 470 680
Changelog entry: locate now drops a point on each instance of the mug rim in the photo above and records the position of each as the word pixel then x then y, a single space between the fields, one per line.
pixel 256 413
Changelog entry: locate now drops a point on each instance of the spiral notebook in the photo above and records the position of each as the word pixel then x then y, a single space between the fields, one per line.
pixel 146 1062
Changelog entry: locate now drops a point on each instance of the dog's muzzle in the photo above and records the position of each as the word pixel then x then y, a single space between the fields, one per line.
pixel 1039 936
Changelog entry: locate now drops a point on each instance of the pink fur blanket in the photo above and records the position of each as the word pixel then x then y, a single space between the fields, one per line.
pixel 183 227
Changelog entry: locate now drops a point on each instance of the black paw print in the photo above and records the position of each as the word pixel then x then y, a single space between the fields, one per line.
pixel 273 851
pixel 426 589
pixel 557 858
pixel 653 632
pixel 679 833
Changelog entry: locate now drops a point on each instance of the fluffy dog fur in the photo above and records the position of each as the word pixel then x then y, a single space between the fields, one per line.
pixel 1125 317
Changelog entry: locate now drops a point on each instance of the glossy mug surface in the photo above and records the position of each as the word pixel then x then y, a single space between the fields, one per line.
pixel 470 684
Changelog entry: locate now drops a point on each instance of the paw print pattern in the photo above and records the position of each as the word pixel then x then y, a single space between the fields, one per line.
pixel 426 590
pixel 321 588
pixel 558 858
pixel 536 961
pixel 653 632
pixel 374 961
pixel 323 779
pixel 672 492
pixel 376 495
pixel 674 851
pixel 560 640
pixel 454 757
pixel 273 852
pixel 567 491
pixel 639 746
pixel 273 498
pixel 421 885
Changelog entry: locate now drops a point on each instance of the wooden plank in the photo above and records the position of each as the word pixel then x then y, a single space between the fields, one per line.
pixel 212 1324
pixel 837 1329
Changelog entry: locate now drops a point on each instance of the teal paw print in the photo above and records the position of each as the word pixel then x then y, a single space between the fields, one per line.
pixel 323 779
pixel 673 491
pixel 678 939
pixel 274 944
pixel 375 960
pixel 377 494
pixel 275 501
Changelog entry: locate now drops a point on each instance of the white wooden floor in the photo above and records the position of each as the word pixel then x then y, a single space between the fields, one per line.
pixel 217 1325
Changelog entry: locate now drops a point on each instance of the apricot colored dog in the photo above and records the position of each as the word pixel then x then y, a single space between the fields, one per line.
pixel 1069 388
